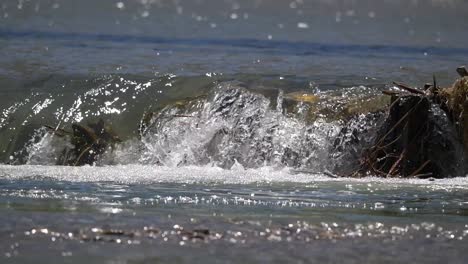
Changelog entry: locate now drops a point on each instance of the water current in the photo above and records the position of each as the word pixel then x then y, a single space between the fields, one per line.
pixel 229 115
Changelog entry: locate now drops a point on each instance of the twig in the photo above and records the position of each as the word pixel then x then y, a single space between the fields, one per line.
pixel 329 174
pixel 423 175
pixel 81 155
pixel 399 122
pixel 420 168
pixel 388 145
pixel 395 165
pixel 407 88
pixel 57 131
pixel 389 92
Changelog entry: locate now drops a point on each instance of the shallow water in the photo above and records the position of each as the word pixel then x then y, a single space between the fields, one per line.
pixel 145 214
pixel 67 61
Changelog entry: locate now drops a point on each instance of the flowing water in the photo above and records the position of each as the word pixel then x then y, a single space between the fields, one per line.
pixel 217 161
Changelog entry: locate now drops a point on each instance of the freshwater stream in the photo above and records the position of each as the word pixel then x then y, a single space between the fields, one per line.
pixel 222 171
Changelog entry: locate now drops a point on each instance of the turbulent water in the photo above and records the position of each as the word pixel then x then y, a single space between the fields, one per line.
pixel 218 159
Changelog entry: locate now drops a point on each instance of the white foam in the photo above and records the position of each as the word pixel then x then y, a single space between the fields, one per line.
pixel 140 174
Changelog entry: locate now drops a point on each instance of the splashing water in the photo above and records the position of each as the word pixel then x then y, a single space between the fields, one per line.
pixel 225 128
pixel 229 126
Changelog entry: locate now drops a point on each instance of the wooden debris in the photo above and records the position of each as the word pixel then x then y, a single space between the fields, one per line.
pixel 418 139
pixel 407 88
pixel 462 71
pixel 57 131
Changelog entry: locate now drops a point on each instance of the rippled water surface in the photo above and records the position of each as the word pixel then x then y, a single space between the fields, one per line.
pixel 146 214
pixel 236 175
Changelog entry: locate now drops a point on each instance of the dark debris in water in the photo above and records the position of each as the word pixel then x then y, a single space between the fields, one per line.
pixel 251 232
pixel 424 135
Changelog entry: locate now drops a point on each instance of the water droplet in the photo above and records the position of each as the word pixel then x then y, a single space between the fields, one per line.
pixel 302 25
pixel 350 13
pixel 120 5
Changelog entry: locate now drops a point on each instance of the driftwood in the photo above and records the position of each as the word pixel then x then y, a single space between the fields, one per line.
pixel 425 133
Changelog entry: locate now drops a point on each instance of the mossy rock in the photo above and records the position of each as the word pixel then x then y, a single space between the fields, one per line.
pixel 333 106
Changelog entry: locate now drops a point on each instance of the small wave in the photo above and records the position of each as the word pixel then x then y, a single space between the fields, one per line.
pixel 230 124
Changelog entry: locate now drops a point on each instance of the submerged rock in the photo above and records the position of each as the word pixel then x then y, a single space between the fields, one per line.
pixel 87 143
